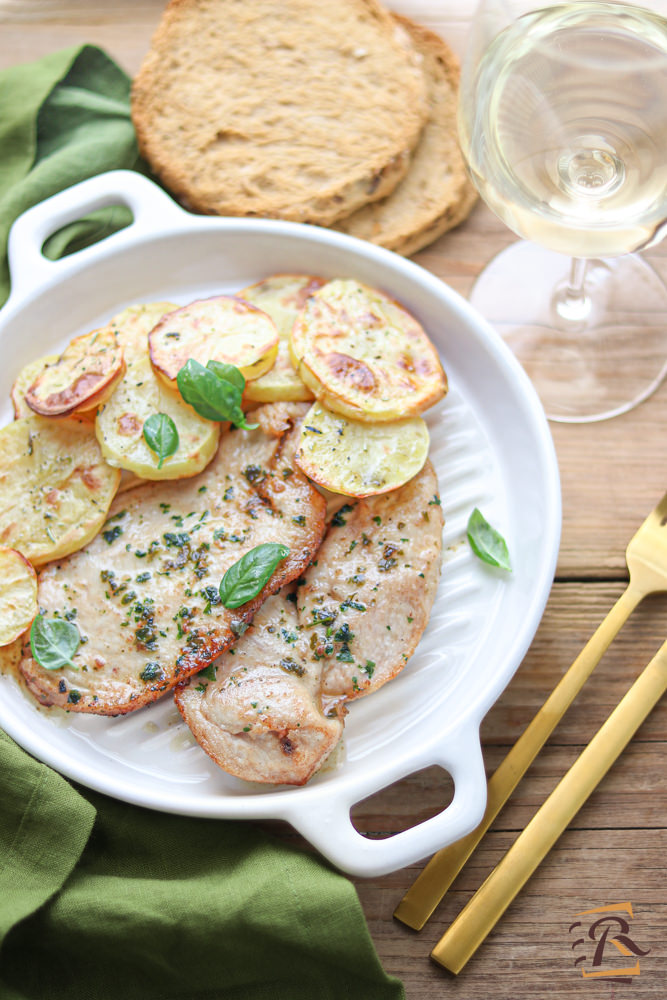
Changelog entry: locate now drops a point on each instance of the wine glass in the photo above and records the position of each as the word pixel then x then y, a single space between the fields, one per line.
pixel 563 124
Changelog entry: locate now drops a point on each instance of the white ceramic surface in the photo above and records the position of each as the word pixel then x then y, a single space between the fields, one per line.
pixel 491 447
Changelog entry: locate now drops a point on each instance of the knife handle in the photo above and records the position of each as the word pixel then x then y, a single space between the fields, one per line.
pixel 485 908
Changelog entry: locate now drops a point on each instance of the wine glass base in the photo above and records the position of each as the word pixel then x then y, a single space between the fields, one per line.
pixel 592 358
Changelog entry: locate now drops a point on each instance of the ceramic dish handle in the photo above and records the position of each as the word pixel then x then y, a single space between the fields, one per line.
pixel 329 827
pixel 151 208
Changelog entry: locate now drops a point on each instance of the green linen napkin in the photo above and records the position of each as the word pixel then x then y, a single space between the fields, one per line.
pixel 62 119
pixel 100 899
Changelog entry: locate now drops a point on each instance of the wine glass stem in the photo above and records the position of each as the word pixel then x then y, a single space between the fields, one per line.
pixel 570 301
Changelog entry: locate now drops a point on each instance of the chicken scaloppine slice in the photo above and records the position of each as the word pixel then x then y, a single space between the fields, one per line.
pixel 262 717
pixel 144 593
pixel 275 709
pixel 367 599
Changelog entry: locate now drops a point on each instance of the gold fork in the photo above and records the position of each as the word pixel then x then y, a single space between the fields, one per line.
pixel 646 558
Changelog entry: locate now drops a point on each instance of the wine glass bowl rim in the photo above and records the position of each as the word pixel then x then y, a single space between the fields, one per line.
pixel 504 13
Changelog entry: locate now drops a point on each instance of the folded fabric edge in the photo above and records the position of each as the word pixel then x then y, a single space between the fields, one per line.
pixel 44 827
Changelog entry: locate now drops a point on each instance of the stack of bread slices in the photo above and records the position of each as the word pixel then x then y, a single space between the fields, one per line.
pixel 340 115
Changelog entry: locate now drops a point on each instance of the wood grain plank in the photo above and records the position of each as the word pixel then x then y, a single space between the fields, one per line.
pixel 529 954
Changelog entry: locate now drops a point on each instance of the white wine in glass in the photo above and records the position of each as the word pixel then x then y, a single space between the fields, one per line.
pixel 563 123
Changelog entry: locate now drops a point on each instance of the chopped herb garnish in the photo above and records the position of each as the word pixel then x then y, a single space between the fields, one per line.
pixel 254 473
pixel 355 605
pixel 292 667
pixel 338 518
pixel 176 540
pixel 152 672
pixel 344 633
pixel 112 534
pixel 369 668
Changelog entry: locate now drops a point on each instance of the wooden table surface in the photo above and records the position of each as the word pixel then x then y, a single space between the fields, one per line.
pixel 612 474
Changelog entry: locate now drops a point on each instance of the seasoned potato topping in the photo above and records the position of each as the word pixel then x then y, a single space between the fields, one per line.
pixel 18 595
pixel 358 459
pixel 140 394
pixel 120 424
pixel 364 355
pixel 132 325
pixel 55 487
pixel 24 380
pixel 282 296
pixel 223 328
pixel 81 378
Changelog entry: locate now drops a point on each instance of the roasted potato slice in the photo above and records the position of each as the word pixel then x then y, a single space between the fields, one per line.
pixel 24 380
pixel 55 486
pixel 359 459
pixel 18 595
pixel 132 325
pixel 223 328
pixel 10 657
pixel 364 355
pixel 120 423
pixel 282 296
pixel 81 379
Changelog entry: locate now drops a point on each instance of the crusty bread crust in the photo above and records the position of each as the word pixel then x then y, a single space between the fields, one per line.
pixel 296 110
pixel 435 194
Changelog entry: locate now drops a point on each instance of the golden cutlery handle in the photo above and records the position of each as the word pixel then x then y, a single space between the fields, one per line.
pixel 491 900
pixel 433 882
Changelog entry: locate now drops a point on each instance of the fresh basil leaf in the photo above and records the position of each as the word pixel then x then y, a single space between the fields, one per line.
pixel 211 397
pixel 487 543
pixel 161 436
pixel 53 642
pixel 246 577
pixel 228 373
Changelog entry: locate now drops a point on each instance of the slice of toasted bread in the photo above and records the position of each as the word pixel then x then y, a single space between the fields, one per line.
pixel 436 194
pixel 296 110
